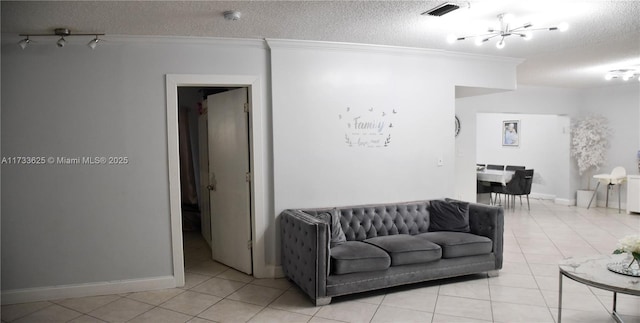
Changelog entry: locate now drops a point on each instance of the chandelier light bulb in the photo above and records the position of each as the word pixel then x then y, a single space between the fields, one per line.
pixel 507 18
pixel 527 35
pixel 451 39
pixel 563 26
pixel 608 76
pixel 479 41
pixel 500 44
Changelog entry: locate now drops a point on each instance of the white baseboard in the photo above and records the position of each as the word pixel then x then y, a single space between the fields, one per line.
pixel 278 272
pixel 82 290
pixel 612 204
pixel 568 202
pixel 540 196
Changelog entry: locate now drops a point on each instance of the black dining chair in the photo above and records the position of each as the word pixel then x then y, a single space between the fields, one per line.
pixel 511 167
pixel 495 187
pixel 519 185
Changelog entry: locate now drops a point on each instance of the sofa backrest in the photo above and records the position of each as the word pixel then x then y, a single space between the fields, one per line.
pixel 368 221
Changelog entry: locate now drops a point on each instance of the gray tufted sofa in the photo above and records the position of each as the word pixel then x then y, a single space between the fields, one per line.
pixel 387 245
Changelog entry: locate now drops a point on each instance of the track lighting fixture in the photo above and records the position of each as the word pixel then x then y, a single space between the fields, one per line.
pixel 62 33
pixel 506 30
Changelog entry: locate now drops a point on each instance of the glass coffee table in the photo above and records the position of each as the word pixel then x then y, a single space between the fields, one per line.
pixel 592 271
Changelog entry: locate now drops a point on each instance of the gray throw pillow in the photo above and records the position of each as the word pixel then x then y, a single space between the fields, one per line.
pixel 449 215
pixel 333 219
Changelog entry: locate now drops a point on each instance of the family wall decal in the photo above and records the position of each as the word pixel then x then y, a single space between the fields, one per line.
pixel 368 127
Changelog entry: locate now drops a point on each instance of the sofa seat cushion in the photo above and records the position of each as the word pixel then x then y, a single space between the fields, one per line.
pixel 458 244
pixel 406 249
pixel 357 256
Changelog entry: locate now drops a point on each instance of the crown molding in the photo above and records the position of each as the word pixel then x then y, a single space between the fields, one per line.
pixel 356 47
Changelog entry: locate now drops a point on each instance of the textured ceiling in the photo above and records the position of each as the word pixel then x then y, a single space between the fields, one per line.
pixel 603 35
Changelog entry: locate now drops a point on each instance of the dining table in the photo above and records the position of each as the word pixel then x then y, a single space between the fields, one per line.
pixel 495 176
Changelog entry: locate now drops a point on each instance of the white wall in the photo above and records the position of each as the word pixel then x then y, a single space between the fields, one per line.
pixel 318 90
pixel 543 138
pixel 76 224
pixel 65 225
pixel 621 106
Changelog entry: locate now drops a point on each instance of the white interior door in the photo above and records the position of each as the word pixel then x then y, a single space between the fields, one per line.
pixel 229 179
pixel 203 145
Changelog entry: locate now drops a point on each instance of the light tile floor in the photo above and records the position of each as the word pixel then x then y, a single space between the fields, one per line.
pixel 525 291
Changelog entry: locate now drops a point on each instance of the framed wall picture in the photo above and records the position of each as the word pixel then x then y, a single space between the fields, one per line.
pixel 511 133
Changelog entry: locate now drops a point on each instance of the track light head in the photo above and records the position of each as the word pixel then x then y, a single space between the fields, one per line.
pixel 93 43
pixel 61 42
pixel 24 43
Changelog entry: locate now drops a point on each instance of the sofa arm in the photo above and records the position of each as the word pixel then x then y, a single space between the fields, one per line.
pixel 488 221
pixel 304 243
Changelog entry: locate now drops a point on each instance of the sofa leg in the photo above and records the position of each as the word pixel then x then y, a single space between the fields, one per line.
pixel 320 301
pixel 493 273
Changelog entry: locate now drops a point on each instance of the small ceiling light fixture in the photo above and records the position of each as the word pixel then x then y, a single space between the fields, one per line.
pixel 62 33
pixel 232 15
pixel 625 74
pixel 524 31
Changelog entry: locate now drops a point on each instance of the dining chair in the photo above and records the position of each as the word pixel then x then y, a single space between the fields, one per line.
pixel 617 177
pixel 511 167
pixel 495 187
pixel 519 185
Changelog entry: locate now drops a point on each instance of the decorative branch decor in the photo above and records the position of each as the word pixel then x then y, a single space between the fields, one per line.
pixel 589 141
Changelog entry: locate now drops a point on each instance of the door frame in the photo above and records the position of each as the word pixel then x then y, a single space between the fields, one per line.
pixel 256 160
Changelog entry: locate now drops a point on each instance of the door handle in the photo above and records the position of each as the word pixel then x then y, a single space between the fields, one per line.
pixel 211 187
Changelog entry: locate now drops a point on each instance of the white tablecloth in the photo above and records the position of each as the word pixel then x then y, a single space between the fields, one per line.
pixel 496 176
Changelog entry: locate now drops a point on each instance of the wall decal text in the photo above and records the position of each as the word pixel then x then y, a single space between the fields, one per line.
pixel 368 127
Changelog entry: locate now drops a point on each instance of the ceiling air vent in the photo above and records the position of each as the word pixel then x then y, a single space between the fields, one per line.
pixel 442 9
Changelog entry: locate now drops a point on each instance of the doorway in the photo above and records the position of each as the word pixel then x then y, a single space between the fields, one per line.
pixel 251 85
pixel 215 172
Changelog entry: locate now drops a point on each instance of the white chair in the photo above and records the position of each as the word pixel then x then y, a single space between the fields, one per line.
pixel 617 177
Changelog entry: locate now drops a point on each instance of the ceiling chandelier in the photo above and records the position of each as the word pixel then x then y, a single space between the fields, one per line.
pixel 625 74
pixel 506 30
